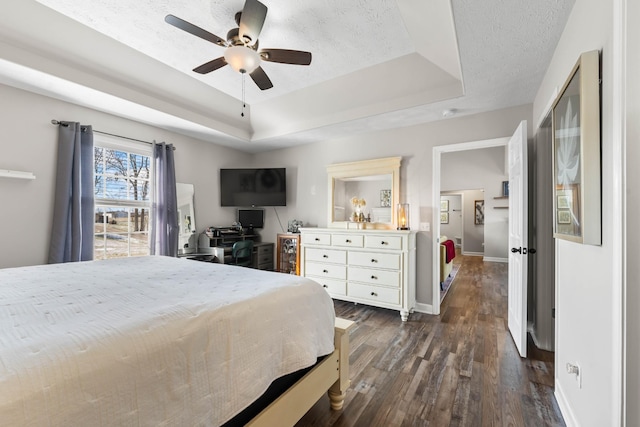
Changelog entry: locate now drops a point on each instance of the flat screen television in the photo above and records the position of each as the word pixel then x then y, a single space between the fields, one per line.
pixel 253 187
pixel 251 218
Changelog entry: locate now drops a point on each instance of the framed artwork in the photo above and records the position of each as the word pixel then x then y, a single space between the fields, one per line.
pixel 444 206
pixel 576 154
pixel 505 188
pixel 478 212
pixel 385 198
pixel 564 216
pixel 444 217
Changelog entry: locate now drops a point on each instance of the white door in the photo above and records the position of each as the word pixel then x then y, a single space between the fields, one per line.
pixel 517 153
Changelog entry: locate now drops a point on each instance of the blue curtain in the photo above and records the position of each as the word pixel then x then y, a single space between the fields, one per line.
pixel 73 212
pixel 164 219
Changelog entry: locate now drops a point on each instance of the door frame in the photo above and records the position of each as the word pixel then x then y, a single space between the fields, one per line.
pixel 436 169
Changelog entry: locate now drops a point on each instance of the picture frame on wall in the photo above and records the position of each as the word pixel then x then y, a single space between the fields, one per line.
pixel 444 205
pixel 478 212
pixel 444 217
pixel 576 154
pixel 385 198
pixel 505 188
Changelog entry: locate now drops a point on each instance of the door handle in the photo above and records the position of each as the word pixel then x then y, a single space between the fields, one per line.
pixel 524 251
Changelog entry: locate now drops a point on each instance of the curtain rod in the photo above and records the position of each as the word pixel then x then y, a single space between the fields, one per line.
pixel 57 122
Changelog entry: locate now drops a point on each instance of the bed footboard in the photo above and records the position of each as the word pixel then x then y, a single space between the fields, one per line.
pixel 332 375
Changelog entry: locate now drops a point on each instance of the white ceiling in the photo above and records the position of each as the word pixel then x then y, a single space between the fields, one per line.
pixel 377 64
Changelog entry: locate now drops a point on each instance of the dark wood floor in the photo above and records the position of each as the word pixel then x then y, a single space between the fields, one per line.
pixel 457 369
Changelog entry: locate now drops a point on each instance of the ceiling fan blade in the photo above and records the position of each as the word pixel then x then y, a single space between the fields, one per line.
pixel 252 19
pixel 211 66
pixel 196 31
pixel 261 79
pixel 286 56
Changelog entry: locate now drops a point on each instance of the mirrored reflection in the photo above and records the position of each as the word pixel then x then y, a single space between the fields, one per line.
pixel 363 198
pixel 186 219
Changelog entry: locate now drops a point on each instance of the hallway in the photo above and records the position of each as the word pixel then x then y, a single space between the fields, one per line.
pixel 457 369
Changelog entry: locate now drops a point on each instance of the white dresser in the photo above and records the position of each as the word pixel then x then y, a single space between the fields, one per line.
pixel 374 267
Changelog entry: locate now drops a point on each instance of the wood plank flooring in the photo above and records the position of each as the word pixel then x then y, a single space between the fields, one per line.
pixel 460 368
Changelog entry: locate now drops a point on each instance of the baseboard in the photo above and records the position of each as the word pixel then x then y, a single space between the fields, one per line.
pixel 565 409
pixel 424 308
pixel 495 259
pixel 473 253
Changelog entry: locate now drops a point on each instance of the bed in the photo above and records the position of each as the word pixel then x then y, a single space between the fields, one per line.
pixel 163 341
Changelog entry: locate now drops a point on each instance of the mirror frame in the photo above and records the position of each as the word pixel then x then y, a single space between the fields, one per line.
pixel 382 166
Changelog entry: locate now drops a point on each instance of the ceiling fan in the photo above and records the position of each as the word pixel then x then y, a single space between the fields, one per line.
pixel 241 45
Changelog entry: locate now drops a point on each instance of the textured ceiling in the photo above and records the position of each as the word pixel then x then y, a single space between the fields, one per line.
pixel 377 64
pixel 343 36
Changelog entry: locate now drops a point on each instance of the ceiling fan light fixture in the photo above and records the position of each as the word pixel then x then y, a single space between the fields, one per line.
pixel 242 59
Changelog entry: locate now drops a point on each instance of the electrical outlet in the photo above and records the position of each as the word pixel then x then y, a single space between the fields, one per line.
pixel 574 369
pixel 424 226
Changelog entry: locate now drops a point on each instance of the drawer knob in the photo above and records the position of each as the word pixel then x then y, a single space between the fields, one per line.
pixel 374 260
pixel 348 241
pixel 324 286
pixel 325 256
pixel 373 294
pixel 384 243
pixel 325 271
pixel 374 277
pixel 317 239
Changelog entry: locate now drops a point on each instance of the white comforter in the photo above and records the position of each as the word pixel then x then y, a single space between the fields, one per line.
pixel 151 341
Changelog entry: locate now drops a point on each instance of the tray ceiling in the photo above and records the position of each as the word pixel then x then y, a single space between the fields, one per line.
pixel 376 63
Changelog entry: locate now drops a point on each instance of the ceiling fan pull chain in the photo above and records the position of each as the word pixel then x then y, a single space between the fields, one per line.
pixel 243 103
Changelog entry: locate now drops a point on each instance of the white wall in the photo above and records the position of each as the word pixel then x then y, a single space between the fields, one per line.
pixel 632 127
pixel 587 317
pixel 306 171
pixel 29 143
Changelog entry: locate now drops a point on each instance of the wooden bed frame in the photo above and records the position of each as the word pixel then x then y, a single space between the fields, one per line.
pixel 332 375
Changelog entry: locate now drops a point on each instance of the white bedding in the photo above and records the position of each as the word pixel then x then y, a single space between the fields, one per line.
pixel 151 341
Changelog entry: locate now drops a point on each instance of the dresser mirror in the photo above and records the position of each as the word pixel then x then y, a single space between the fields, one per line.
pixel 186 219
pixel 364 194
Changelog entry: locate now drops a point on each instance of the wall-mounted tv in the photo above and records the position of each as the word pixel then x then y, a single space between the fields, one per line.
pixel 253 187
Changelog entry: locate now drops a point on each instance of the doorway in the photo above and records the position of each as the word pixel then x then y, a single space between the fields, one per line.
pixel 541 279
pixel 438 152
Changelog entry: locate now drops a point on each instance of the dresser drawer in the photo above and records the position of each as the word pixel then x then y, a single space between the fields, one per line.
pixel 265 250
pixel 316 239
pixel 383 242
pixel 347 240
pixel 334 256
pixel 376 277
pixel 374 293
pixel 332 286
pixel 265 259
pixel 331 271
pixel 375 259
pixel 266 266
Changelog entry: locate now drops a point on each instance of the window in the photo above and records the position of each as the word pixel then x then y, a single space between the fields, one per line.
pixel 122 199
